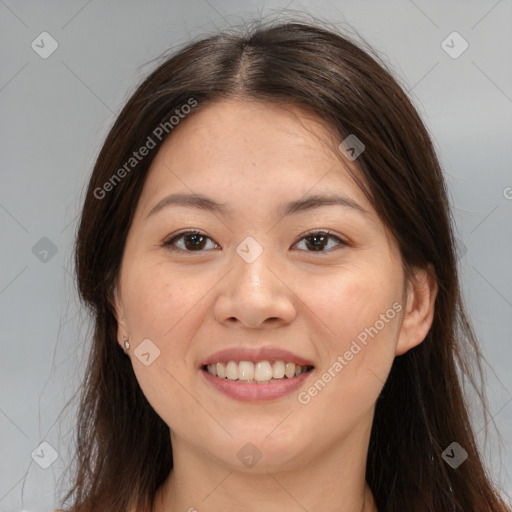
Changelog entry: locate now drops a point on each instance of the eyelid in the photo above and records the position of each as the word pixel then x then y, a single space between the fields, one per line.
pixel 326 232
pixel 168 242
pixel 343 242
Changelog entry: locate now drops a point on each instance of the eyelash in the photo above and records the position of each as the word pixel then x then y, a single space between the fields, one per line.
pixel 169 242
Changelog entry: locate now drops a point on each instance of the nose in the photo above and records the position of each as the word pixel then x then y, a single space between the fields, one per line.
pixel 255 295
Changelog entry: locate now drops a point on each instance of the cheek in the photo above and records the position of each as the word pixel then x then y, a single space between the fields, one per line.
pixel 351 301
pixel 158 299
pixel 360 315
pixel 162 305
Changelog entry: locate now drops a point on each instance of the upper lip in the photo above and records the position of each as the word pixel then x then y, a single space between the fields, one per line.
pixel 268 353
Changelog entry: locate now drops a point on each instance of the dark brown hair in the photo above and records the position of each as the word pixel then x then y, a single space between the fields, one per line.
pixel 123 447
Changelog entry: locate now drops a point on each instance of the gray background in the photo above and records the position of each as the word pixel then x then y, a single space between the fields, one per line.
pixel 55 113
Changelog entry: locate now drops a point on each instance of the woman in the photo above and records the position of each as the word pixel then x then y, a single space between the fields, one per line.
pixel 266 248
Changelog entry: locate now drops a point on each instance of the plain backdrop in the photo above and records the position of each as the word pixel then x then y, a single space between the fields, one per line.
pixel 56 111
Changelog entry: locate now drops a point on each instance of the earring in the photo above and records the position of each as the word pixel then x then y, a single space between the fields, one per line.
pixel 126 343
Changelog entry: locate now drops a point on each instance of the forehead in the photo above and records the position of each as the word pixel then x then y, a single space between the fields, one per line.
pixel 254 149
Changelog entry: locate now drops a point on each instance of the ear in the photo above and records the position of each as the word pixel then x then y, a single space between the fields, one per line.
pixel 421 292
pixel 116 303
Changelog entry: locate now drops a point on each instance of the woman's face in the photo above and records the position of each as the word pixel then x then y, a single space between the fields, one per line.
pixel 260 287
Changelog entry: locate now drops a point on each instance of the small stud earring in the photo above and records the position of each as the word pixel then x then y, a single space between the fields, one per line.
pixel 126 343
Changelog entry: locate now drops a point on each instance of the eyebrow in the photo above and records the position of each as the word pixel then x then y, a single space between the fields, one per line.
pixel 201 202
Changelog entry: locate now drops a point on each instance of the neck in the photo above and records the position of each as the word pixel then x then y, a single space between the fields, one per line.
pixel 333 480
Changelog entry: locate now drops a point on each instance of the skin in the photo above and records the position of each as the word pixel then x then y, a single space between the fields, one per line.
pixel 254 157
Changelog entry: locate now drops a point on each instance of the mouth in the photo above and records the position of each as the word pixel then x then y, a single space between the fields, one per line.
pixel 256 372
pixel 250 375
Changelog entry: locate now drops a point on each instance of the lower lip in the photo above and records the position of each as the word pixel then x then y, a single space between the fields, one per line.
pixel 255 392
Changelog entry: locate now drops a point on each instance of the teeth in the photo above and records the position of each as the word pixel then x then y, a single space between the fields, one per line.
pixel 261 372
pixel 278 370
pixel 232 370
pixel 246 370
pixel 289 370
pixel 221 370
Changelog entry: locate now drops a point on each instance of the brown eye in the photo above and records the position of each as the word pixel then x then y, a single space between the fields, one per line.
pixel 318 240
pixel 193 241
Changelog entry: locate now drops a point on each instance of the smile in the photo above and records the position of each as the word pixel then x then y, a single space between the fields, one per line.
pixel 260 372
pixel 258 381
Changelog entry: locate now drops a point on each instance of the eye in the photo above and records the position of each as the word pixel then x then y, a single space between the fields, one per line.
pixel 194 241
pixel 319 240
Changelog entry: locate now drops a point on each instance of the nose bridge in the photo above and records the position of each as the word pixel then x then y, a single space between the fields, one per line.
pixel 255 293
pixel 252 258
pixel 255 280
pixel 251 263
